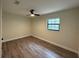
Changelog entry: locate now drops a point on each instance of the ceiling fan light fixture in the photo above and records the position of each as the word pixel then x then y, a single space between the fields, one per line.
pixel 32 15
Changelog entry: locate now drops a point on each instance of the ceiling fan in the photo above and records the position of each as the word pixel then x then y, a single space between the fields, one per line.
pixel 32 13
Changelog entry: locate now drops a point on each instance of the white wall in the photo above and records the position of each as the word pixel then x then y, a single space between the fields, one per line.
pixel 15 26
pixel 0 28
pixel 78 38
pixel 67 36
pixel 78 33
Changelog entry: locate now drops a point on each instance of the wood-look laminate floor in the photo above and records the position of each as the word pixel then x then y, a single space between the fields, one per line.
pixel 31 47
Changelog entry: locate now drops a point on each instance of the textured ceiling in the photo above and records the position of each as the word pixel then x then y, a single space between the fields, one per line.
pixel 41 6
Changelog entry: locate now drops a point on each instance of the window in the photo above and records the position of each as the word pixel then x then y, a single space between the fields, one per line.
pixel 54 24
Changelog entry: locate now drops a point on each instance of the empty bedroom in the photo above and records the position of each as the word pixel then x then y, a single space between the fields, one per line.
pixel 39 29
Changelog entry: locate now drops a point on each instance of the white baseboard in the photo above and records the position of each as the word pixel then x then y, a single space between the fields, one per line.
pixel 15 38
pixel 56 44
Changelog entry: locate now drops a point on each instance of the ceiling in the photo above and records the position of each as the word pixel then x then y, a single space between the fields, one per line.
pixel 41 6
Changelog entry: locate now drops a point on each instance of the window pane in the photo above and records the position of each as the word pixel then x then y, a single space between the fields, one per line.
pixel 53 27
pixel 49 26
pixel 54 21
pixel 50 21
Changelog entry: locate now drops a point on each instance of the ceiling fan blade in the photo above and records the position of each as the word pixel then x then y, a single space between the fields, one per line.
pixel 37 14
pixel 32 11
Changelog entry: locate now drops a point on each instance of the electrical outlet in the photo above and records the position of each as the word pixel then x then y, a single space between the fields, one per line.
pixel 2 38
